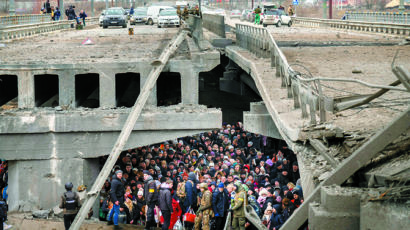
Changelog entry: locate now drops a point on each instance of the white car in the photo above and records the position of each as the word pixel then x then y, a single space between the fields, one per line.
pixel 276 17
pixel 153 13
pixel 101 18
pixel 168 18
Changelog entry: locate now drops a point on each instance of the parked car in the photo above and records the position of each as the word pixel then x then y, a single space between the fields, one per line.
pixel 276 17
pixel 115 16
pixel 168 18
pixel 245 15
pixel 139 16
pixel 100 19
pixel 235 14
pixel 153 13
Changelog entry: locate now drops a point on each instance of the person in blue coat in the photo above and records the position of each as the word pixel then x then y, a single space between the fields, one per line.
pixel 220 205
pixel 276 220
pixel 191 193
pixel 83 15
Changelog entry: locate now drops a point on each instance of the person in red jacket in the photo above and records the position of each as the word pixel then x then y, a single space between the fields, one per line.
pixel 176 213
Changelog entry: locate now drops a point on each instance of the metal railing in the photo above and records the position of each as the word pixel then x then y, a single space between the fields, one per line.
pixel 24 19
pixel 389 17
pixel 259 41
pixel 378 27
pixel 214 23
pixel 20 31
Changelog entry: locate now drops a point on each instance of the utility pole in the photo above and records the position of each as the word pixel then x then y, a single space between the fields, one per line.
pixel 324 9
pixel 330 8
pixel 401 6
pixel 92 8
pixel 12 9
pixel 106 4
pixel 61 7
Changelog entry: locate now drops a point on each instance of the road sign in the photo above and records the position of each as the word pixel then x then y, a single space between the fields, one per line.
pixel 295 2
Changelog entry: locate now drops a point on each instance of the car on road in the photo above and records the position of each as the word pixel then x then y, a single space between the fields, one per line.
pixel 245 15
pixel 168 18
pixel 139 16
pixel 115 16
pixel 276 17
pixel 100 19
pixel 153 13
pixel 235 14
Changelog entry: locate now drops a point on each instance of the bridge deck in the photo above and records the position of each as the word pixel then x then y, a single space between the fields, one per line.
pixel 110 45
pixel 334 61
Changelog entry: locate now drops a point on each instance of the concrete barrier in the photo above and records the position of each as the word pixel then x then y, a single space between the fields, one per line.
pixel 214 23
pixel 26 30
pixel 377 27
pixel 24 19
pixel 386 17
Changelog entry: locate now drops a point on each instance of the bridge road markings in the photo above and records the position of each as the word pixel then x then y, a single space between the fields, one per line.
pixel 157 67
pixel 349 166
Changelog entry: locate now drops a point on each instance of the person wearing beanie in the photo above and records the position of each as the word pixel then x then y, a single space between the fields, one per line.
pixel 151 198
pixel 220 205
pixel 165 204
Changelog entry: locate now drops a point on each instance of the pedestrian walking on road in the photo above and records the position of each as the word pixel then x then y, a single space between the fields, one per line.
pixel 257 15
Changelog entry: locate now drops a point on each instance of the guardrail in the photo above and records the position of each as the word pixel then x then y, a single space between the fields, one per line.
pixel 389 17
pixel 24 19
pixel 378 27
pixel 20 31
pixel 214 23
pixel 259 41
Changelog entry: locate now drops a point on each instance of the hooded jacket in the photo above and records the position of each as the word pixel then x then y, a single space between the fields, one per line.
pixel 220 202
pixel 276 220
pixel 191 191
pixel 165 199
pixel 151 193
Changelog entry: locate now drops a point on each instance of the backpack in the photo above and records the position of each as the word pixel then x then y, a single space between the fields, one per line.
pixel 181 190
pixel 70 202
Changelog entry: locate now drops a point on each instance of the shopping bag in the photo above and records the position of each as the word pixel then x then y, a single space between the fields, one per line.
pixel 189 216
pixel 178 225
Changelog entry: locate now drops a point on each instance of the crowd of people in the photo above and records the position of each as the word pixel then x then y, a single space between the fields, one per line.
pixel 205 176
pixel 70 13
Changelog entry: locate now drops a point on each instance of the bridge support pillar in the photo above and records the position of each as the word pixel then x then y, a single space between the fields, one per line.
pixel 189 86
pixel 66 89
pixel 107 85
pixel 25 90
pixel 152 99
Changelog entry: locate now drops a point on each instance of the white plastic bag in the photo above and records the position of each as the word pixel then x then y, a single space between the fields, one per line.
pixel 178 225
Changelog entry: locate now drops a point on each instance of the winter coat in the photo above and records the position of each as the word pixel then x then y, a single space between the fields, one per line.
pixel 220 202
pixel 176 213
pixel 191 192
pixel 151 193
pixel 276 220
pixel 165 199
pixel 117 191
pixel 83 15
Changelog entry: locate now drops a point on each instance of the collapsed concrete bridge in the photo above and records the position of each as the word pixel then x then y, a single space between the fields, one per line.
pixel 65 124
